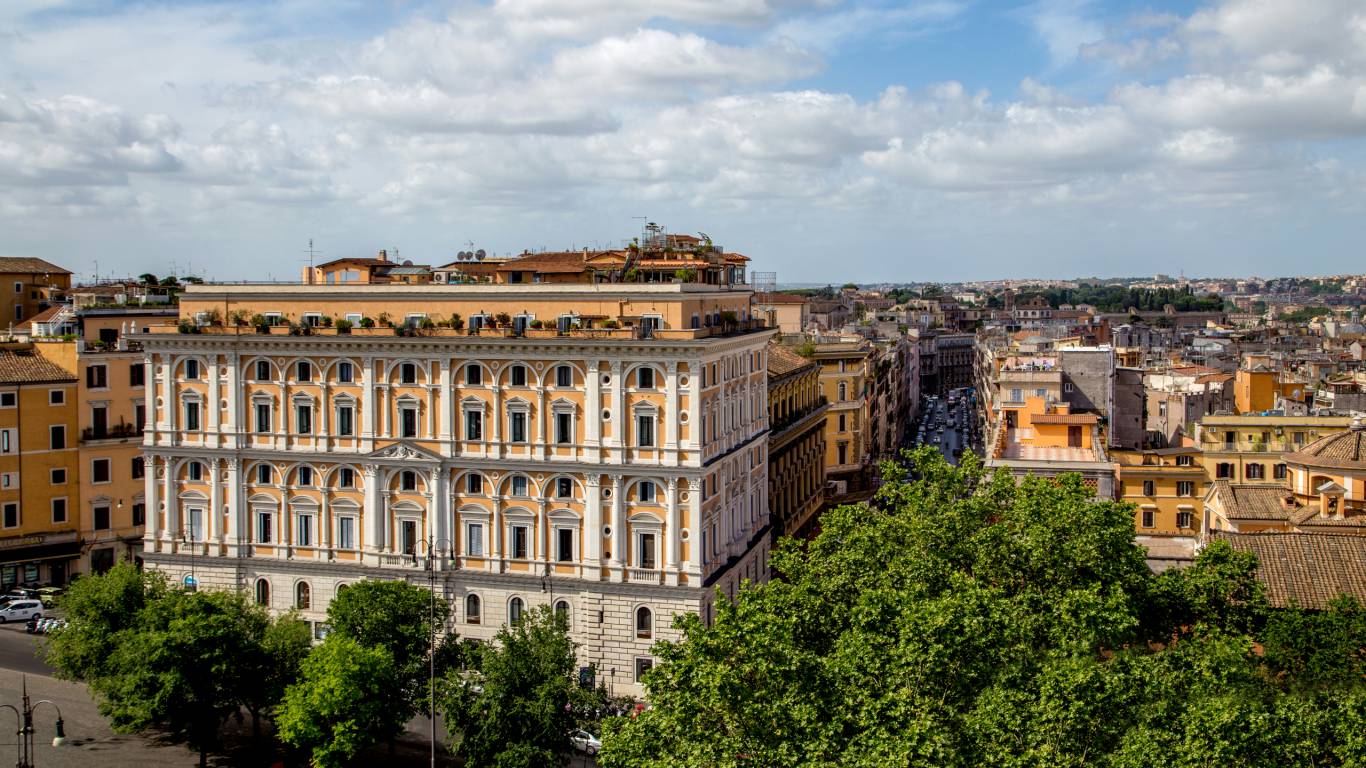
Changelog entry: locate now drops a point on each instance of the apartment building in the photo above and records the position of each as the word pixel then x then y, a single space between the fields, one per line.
pixel 29 286
pixel 39 540
pixel 1251 448
pixel 796 442
pixel 845 382
pixel 1166 487
pixel 598 447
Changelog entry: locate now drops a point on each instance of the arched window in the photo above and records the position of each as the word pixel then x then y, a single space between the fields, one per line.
pixel 844 391
pixel 262 592
pixel 515 607
pixel 303 597
pixel 562 611
pixel 644 622
pixel 471 609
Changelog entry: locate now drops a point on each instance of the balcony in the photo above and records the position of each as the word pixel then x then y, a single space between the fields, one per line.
pixel 115 432
pixel 644 575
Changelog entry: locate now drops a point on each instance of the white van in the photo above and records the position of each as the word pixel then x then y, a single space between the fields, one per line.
pixel 21 610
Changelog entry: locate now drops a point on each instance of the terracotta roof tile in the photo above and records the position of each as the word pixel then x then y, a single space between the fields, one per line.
pixel 565 262
pixel 23 367
pixel 778 298
pixel 782 361
pixel 45 315
pixel 29 266
pixel 1308 569
pixel 1247 501
pixel 1065 418
pixel 1343 450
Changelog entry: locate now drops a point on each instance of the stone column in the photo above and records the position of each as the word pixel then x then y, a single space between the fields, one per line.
pixel 151 493
pixel 693 565
pixel 239 528
pixel 670 452
pixel 446 399
pixel 541 446
pixel 234 397
pixel 618 558
pixel 367 404
pixel 592 407
pixel 153 421
pixel 618 410
pixel 215 507
pixel 373 509
pixel 592 527
pixel 495 433
pixel 671 538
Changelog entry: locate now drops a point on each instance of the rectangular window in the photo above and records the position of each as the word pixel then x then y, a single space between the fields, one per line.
pixel 564 544
pixel 1278 472
pixel 474 483
pixel 1184 518
pixel 1149 488
pixel 1185 461
pixel 263 474
pixel 11 514
pixel 303 419
pixel 518 376
pixel 345 373
pixel 59 510
pixel 647 492
pixel 263 417
pixel 564 428
pixel 564 488
pixel 519 540
pixel 1185 488
pixel 57 437
pixel 262 370
pixel 1149 517
pixel 102 518
pixel 18 287
pixel 643 666
pixel 645 378
pixel 564 376
pixel 137 375
pixel 407 481
pixel 346 532
pixel 304 371
pixel 1223 470
pixel 517 427
pixel 474 425
pixel 9 479
pixel 9 399
pixel 139 513
pixel 195 471
pixel 192 417
pixel 139 468
pixel 346 421
pixel 842 423
pixel 474 539
pixel 519 485
pixel 56 397
pixel 59 476
pixel 8 440
pixel 645 430
pixel 407 373
pixel 408 422
pixel 140 416
pixel 303 536
pixel 1255 472
pixel 191 369
pixel 305 476
pixel 1298 438
pixel 474 375
pixel 346 478
pixel 263 527
pixel 646 546
pixel 99 470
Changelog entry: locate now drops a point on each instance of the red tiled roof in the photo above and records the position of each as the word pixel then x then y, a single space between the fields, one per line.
pixel 779 298
pixel 45 315
pixel 558 262
pixel 28 265
pixel 1065 418
pixel 22 366
pixel 782 361
pixel 1307 569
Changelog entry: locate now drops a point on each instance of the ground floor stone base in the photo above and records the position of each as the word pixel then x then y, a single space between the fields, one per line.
pixel 605 618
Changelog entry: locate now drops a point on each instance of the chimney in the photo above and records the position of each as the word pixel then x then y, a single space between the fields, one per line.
pixel 383 256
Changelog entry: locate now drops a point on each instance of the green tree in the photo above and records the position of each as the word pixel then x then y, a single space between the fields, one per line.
pixel 962 619
pixel 517 710
pixel 341 701
pixel 179 668
pixel 98 609
pixel 273 663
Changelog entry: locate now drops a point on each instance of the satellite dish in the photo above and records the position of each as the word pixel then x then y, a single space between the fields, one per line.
pixel 479 254
pixel 407 262
pixel 462 255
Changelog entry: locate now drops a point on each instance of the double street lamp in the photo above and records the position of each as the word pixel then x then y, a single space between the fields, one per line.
pixel 433 549
pixel 24 748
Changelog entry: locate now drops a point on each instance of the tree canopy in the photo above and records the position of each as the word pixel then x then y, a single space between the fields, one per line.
pixel 965 620
pixel 516 709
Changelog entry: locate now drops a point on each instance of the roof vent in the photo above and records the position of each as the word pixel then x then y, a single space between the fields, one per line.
pixel 1357 424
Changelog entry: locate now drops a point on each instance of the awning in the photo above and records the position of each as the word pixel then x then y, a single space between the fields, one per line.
pixel 61 551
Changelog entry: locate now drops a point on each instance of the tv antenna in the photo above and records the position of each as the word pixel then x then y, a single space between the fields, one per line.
pixel 311 253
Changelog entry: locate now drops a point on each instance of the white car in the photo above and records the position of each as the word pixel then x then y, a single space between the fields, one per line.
pixel 585 742
pixel 21 610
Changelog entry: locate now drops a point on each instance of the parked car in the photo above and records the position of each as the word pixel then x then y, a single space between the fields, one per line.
pixel 585 742
pixel 49 595
pixel 20 610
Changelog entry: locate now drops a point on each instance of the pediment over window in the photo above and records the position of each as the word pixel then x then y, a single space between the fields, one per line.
pixel 405 452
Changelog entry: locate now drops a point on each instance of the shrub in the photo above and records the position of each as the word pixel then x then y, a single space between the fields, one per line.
pixel 457 322
pixel 366 322
pixel 610 323
pixel 503 319
pixel 343 326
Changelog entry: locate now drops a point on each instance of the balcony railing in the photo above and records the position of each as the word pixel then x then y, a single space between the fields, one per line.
pixel 114 432
pixel 643 575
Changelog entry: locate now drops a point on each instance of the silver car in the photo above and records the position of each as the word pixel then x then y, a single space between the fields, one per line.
pixel 21 610
pixel 585 742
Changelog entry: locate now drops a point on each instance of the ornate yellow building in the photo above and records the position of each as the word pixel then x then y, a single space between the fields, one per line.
pixel 597 447
pixel 796 445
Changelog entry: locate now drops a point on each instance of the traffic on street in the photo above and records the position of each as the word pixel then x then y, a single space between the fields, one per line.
pixel 949 424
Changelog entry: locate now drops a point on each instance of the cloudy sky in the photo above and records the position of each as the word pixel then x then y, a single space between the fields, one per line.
pixel 829 140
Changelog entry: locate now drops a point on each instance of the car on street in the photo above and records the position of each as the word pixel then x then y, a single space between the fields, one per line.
pixel 20 610
pixel 49 595
pixel 585 742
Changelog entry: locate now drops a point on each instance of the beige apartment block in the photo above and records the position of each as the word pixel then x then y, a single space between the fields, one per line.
pixel 602 449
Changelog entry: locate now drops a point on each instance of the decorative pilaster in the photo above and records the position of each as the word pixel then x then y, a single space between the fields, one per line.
pixel 592 533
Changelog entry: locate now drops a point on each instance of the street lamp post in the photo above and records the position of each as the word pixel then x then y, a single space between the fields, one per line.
pixel 24 748
pixel 434 548
pixel 187 538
